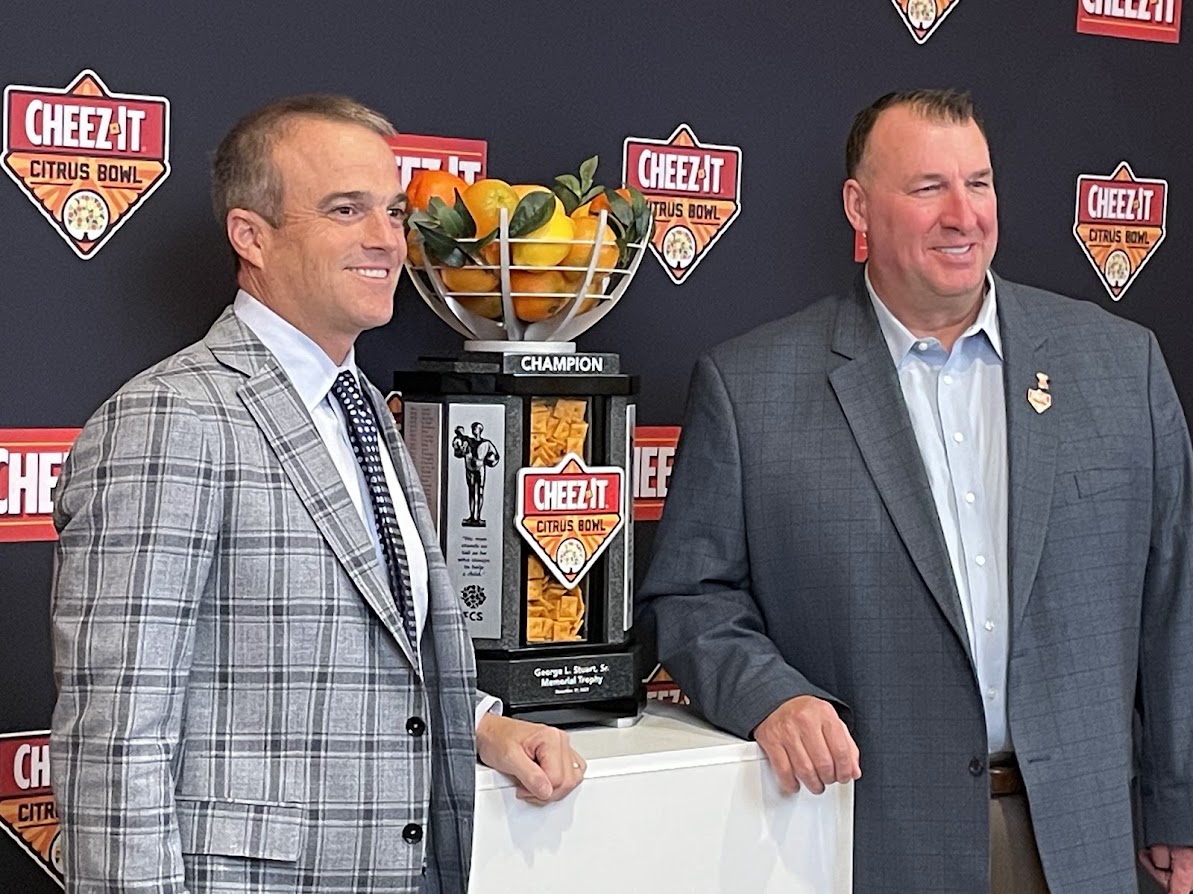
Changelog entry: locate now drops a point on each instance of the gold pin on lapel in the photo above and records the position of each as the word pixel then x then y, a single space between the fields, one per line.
pixel 1039 397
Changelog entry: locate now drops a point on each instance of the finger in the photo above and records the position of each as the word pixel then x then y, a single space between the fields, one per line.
pixel 780 765
pixel 1182 872
pixel 844 752
pixel 804 766
pixel 530 776
pixel 550 751
pixel 1160 875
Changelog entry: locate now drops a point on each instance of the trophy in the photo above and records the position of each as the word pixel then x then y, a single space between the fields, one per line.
pixel 523 445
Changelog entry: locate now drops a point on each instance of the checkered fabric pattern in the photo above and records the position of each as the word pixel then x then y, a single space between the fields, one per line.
pixel 363 434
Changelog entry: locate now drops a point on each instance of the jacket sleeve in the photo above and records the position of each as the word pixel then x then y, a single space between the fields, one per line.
pixel 1165 694
pixel 137 508
pixel 696 599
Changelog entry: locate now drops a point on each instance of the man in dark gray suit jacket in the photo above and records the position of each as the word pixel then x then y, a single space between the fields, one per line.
pixel 936 529
pixel 265 683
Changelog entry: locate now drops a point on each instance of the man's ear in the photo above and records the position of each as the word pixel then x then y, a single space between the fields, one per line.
pixel 853 197
pixel 249 235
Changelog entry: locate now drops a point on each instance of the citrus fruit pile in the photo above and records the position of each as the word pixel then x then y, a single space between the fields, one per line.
pixel 552 235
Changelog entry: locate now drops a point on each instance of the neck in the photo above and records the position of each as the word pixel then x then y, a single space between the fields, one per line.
pixel 334 345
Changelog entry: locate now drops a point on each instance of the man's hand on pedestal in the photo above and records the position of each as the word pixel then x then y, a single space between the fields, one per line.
pixel 539 758
pixel 806 742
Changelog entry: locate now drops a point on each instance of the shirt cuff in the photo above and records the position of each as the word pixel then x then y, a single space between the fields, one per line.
pixel 490 704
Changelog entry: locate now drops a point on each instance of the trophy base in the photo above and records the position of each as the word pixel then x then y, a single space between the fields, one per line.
pixel 565 688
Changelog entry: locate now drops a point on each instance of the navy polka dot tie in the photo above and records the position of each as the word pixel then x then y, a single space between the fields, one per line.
pixel 365 439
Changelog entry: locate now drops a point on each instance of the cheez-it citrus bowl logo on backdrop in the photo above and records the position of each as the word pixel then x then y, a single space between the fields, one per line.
pixel 923 17
pixel 1120 222
pixel 1155 20
pixel 694 190
pixel 654 452
pixel 86 157
pixel 27 810
pixel 414 152
pixel 30 460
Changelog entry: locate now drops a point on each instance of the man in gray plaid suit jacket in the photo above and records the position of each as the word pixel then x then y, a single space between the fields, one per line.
pixel 933 534
pixel 240 708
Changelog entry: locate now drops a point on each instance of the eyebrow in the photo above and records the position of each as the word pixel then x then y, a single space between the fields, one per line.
pixel 357 195
pixel 983 174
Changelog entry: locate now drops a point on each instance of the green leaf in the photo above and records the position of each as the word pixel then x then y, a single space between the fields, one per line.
pixel 465 215
pixel 443 249
pixel 619 207
pixel 591 193
pixel 624 252
pixel 448 219
pixel 587 172
pixel 643 226
pixel 570 182
pixel 570 200
pixel 532 212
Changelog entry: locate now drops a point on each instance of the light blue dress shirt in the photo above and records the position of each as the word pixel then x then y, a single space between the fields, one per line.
pixel 957 405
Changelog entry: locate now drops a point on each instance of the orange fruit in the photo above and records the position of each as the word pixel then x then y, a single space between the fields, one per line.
pixel 580 252
pixel 548 244
pixel 484 201
pixel 525 189
pixel 532 307
pixel 474 279
pixel 488 306
pixel 425 185
pixel 468 279
pixel 414 247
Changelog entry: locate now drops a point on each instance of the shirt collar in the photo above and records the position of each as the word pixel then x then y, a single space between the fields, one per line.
pixel 899 339
pixel 306 364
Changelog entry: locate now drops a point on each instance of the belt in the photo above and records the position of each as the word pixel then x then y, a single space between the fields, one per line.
pixel 1005 778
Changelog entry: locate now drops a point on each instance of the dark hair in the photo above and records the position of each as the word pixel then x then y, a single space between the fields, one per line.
pixel 948 105
pixel 243 174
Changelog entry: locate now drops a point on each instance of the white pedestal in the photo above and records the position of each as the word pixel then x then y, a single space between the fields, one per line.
pixel 668 805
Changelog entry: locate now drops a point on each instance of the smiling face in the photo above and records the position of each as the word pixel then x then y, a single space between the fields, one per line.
pixel 331 266
pixel 924 197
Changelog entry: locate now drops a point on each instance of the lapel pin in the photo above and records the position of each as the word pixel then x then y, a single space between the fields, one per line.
pixel 1039 397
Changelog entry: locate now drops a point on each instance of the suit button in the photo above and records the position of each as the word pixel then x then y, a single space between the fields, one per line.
pixel 416 726
pixel 413 833
pixel 977 767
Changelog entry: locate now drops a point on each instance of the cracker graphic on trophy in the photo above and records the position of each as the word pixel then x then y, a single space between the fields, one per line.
pixel 524 445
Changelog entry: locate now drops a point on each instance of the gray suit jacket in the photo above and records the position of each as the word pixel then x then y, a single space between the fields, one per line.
pixel 237 709
pixel 800 553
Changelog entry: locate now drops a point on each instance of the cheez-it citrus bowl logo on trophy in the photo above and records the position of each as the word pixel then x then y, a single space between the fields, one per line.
pixel 923 17
pixel 27 810
pixel 568 513
pixel 1154 20
pixel 1120 222
pixel 86 157
pixel 30 461
pixel 694 191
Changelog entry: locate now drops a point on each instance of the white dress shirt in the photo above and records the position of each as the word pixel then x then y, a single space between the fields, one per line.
pixel 312 373
pixel 957 405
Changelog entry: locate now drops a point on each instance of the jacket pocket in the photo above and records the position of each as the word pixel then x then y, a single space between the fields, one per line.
pixel 1091 482
pixel 255 829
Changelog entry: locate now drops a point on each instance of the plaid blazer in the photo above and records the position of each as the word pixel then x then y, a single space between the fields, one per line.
pixel 800 553
pixel 237 710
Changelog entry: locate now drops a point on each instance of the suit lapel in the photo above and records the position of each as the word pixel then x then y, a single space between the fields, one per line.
pixel 286 426
pixel 1031 447
pixel 867 387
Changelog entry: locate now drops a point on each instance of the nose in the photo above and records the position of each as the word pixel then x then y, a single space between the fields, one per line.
pixel 958 213
pixel 385 232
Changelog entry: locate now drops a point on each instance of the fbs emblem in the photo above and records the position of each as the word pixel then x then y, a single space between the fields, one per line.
pixel 1039 397
pixel 86 157
pixel 694 191
pixel 923 17
pixel 569 513
pixel 1120 221
pixel 27 810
